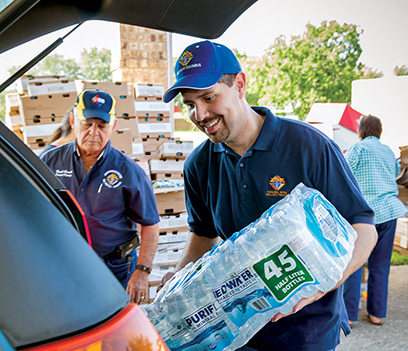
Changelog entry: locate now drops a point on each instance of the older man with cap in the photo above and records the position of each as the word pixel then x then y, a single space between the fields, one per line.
pixel 252 160
pixel 113 191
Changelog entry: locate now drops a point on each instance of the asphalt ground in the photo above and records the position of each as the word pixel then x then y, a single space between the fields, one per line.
pixel 393 334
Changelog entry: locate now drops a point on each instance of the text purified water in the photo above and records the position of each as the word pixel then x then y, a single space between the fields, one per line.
pixel 297 247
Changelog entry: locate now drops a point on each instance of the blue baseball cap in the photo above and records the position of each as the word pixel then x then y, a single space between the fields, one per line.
pixel 201 66
pixel 92 103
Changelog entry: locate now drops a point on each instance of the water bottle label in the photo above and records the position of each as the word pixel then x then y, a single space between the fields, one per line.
pixel 199 319
pixel 283 273
pixel 178 331
pixel 234 286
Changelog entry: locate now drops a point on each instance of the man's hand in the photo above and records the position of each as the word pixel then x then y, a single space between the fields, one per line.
pixel 302 303
pixel 138 287
pixel 165 279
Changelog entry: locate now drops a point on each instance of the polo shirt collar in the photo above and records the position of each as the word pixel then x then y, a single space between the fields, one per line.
pixel 267 135
pixel 104 153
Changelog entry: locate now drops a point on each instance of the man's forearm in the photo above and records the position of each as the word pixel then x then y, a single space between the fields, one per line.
pixel 196 246
pixel 148 244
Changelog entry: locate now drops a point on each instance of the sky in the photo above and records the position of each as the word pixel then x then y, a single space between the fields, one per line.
pixel 382 22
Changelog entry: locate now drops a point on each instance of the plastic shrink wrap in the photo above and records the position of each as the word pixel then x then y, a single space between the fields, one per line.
pixel 298 246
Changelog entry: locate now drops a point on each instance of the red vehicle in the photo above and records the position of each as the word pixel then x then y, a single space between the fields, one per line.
pixel 55 292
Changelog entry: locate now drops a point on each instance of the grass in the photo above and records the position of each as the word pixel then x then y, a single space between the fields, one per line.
pixel 398 259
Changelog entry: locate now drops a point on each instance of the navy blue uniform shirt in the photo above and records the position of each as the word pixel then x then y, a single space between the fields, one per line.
pixel 115 194
pixel 226 192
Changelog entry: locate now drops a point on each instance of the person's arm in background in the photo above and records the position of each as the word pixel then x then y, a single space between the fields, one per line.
pixel 196 246
pixel 138 285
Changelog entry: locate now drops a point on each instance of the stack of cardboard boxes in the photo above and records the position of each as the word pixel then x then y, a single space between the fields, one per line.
pixel 144 132
pixel 13 118
pixel 173 224
pixel 38 108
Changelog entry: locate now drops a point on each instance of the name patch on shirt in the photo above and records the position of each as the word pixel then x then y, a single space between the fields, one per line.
pixel 63 173
pixel 112 179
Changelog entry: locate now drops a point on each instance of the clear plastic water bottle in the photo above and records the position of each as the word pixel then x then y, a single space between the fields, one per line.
pixel 297 247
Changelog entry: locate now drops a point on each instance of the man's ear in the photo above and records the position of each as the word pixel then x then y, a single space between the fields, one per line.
pixel 72 119
pixel 240 84
pixel 114 124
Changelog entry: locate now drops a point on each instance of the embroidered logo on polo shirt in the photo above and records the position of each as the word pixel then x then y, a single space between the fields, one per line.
pixel 112 179
pixel 277 183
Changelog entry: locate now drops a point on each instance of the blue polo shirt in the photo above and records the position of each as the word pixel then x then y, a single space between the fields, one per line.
pixel 115 194
pixel 226 192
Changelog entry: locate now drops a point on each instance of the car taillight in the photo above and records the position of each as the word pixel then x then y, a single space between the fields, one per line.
pixel 130 330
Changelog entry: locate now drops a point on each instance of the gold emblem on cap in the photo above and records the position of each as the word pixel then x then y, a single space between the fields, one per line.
pixel 185 58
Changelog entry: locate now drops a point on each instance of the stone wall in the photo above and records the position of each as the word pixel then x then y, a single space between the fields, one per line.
pixel 143 56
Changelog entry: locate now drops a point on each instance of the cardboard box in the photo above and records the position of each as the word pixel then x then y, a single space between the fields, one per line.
pixel 125 106
pixel 402 177
pixel 152 144
pixel 22 83
pixel 170 200
pixel 18 130
pixel 177 176
pixel 155 130
pixel 173 221
pixel 11 121
pixel 145 166
pixel 113 88
pixel 143 107
pixel 166 166
pixel 55 105
pixel 53 87
pixel 148 98
pixel 128 123
pixel 402 227
pixel 148 90
pixel 137 146
pixel 404 154
pixel 121 139
pixel 168 253
pixel 39 139
pixel 40 130
pixel 12 101
pixel 38 148
pixel 403 194
pixel 158 271
pixel 174 235
pixel 153 118
pixel 176 149
pixel 37 119
pixel 401 241
pixel 13 112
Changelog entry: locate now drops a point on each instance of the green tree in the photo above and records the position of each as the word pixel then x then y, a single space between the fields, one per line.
pixel 96 64
pixel 93 65
pixel 57 65
pixel 317 66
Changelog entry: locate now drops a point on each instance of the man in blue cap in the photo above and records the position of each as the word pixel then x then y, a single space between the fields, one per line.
pixel 113 191
pixel 252 160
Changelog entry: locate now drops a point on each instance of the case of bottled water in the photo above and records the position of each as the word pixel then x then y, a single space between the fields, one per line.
pixel 299 246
